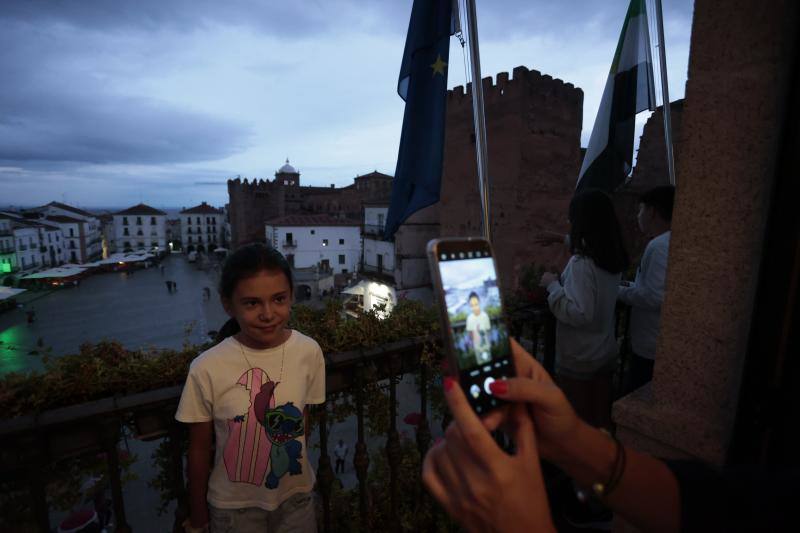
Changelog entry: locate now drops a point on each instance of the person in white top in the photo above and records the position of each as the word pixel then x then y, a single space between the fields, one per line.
pixel 646 293
pixel 583 300
pixel 251 393
pixel 479 326
pixel 340 453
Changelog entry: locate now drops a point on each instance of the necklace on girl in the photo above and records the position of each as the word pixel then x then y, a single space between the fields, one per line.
pixel 250 365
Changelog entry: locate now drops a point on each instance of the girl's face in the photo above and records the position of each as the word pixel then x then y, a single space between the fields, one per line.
pixel 261 304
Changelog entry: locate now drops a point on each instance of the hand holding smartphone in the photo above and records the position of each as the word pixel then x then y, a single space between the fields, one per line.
pixel 474 329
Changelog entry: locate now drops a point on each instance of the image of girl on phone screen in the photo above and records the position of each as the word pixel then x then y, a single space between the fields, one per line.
pixel 250 393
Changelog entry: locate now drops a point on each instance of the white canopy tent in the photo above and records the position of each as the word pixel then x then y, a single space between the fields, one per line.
pixel 9 292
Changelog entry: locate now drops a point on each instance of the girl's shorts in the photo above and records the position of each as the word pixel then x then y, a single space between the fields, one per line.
pixel 295 515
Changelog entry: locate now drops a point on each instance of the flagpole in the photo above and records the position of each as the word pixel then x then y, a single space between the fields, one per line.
pixel 479 119
pixel 662 56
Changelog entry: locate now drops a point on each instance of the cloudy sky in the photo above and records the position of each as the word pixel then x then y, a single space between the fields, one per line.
pixel 109 103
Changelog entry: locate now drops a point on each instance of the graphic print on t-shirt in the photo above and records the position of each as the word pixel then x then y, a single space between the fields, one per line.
pixel 264 437
pixel 284 424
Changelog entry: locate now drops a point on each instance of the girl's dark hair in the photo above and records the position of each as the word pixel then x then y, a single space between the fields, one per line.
pixel 595 231
pixel 246 262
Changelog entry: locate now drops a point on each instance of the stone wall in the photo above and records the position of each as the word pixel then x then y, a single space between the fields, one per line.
pixel 254 202
pixel 533 125
pixel 251 203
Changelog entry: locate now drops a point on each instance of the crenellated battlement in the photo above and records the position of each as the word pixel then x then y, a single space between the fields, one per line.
pixel 523 81
pixel 249 186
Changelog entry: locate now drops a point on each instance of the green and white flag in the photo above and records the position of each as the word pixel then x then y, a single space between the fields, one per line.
pixel 629 90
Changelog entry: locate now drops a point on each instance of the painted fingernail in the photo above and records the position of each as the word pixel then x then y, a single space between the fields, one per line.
pixel 448 383
pixel 499 387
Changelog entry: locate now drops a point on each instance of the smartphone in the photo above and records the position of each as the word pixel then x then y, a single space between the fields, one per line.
pixel 475 333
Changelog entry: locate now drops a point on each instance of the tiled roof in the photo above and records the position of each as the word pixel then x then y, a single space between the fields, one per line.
pixel 310 220
pixel 75 210
pixel 374 174
pixel 64 219
pixel 141 209
pixel 202 209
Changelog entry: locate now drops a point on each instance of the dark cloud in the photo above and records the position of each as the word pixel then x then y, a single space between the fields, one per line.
pixel 57 103
pixel 100 128
pixel 285 19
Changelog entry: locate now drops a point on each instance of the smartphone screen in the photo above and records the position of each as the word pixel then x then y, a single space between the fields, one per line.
pixel 479 336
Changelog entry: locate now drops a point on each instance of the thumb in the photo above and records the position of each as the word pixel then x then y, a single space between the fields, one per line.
pixel 524 433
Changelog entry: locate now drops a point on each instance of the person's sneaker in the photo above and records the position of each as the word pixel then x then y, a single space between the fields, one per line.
pixel 586 515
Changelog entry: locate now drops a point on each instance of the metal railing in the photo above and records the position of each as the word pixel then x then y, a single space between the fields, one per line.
pixel 289 244
pixel 377 271
pixel 29 444
pixel 373 229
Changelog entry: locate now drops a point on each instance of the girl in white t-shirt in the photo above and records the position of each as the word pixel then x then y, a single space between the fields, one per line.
pixel 250 393
pixel 583 300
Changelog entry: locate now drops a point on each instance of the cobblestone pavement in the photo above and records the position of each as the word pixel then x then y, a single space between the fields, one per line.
pixel 136 310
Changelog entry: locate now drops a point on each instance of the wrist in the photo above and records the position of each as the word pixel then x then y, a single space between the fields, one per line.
pixel 587 456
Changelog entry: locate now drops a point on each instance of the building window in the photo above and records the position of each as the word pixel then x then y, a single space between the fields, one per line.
pixel 341 241
pixel 341 259
pixel 139 233
pixel 289 238
pixel 152 221
pixel 312 232
pixel 138 221
pixel 124 221
pixel 127 244
pixel 125 232
pixel 189 220
pixel 380 219
pixel 198 220
pixel 324 242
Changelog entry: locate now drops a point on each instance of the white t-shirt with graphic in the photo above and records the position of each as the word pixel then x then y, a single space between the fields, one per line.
pixel 479 322
pixel 260 458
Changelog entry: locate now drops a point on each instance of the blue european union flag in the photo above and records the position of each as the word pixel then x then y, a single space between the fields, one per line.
pixel 423 85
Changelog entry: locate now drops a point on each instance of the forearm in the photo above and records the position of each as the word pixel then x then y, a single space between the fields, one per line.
pixel 647 495
pixel 198 472
pixel 641 296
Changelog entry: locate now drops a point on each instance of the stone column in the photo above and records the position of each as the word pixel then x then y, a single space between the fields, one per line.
pixel 742 52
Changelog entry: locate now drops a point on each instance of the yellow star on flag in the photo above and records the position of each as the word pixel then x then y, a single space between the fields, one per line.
pixel 438 66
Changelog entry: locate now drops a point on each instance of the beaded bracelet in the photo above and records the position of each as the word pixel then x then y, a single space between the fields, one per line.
pixel 603 490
